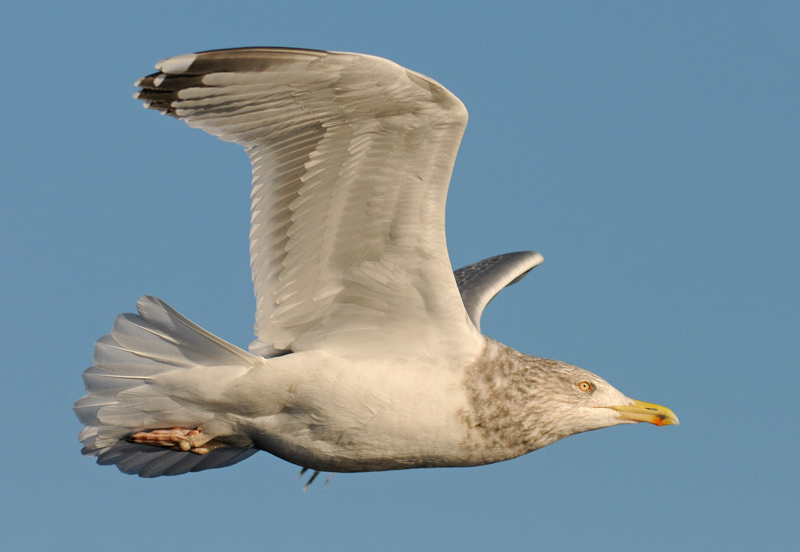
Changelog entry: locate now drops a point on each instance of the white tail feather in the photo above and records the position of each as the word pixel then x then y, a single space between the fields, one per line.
pixel 120 400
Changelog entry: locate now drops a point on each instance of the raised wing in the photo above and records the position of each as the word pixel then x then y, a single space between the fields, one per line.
pixel 481 281
pixel 352 156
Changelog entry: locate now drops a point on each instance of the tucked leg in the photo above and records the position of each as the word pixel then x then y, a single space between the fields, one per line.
pixel 178 438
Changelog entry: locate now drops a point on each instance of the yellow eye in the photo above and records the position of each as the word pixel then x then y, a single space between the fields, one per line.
pixel 585 386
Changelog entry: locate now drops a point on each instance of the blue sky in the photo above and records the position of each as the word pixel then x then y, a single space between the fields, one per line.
pixel 649 152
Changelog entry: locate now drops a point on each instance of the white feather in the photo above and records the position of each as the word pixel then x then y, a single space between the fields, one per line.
pixel 123 395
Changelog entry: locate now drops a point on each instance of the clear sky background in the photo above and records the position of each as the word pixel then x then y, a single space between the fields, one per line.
pixel 648 150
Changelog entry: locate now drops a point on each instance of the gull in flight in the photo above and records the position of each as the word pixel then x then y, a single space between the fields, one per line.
pixel 368 352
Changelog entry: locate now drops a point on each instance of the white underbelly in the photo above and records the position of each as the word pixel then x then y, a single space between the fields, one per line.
pixel 336 415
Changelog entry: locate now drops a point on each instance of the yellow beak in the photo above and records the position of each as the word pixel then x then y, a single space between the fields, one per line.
pixel 647 412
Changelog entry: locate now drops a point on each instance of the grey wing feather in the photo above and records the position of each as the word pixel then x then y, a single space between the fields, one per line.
pixel 479 282
pixel 148 461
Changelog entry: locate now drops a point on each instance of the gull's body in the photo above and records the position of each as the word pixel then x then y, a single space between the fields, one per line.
pixel 368 351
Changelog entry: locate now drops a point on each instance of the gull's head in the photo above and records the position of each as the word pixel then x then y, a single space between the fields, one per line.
pixel 521 403
pixel 577 400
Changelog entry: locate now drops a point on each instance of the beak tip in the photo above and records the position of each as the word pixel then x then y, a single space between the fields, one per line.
pixel 669 420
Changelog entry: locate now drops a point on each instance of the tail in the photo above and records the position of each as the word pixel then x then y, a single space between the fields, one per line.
pixel 120 401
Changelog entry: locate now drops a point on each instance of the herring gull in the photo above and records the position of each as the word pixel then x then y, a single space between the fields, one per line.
pixel 368 352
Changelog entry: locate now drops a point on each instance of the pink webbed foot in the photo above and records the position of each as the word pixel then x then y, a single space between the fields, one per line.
pixel 178 438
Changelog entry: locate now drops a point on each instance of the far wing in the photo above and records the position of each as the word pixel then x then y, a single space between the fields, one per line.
pixel 481 281
pixel 352 156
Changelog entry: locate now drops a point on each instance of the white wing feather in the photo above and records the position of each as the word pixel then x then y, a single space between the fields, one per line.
pixel 352 156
